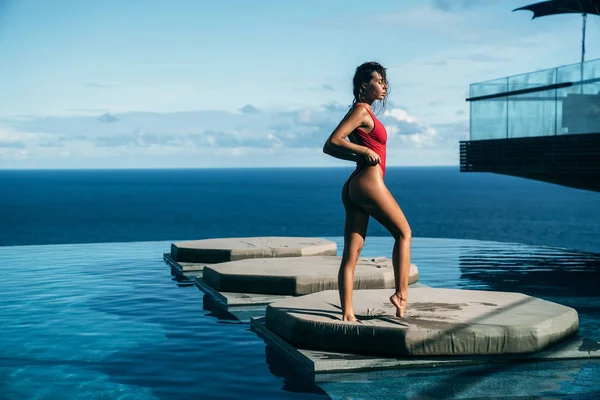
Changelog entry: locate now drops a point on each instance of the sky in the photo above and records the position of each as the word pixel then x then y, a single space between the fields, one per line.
pixel 253 83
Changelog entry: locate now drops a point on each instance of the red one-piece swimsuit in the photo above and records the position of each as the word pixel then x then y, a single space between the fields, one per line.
pixel 375 140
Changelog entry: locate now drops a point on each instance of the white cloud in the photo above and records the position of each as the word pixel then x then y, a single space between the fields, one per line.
pixel 392 130
pixel 234 151
pixel 9 135
pixel 400 115
pixel 233 136
pixel 277 143
pixel 467 24
pixel 422 139
pixel 304 116
pixel 21 154
pixel 424 17
pixel 449 5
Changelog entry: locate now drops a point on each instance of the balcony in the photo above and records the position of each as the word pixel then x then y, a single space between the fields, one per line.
pixel 542 125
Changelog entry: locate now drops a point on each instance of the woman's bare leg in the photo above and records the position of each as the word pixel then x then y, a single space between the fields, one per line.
pixel 355 231
pixel 401 263
pixel 371 194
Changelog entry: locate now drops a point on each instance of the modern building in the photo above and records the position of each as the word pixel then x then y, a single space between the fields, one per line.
pixel 542 125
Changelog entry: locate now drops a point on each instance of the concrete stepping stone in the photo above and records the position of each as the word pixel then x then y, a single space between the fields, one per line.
pixel 438 322
pixel 184 270
pixel 248 304
pixel 298 276
pixel 330 366
pixel 220 250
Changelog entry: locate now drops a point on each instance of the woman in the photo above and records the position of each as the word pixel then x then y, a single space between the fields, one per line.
pixel 364 194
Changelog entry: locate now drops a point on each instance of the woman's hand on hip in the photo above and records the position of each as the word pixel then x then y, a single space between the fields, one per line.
pixel 372 157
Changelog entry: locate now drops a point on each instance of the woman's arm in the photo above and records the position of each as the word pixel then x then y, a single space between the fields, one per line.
pixel 338 146
pixel 342 154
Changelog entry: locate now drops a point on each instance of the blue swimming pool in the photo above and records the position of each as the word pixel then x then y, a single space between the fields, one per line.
pixel 108 321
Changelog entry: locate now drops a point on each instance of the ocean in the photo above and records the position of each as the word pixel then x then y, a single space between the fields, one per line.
pixel 96 206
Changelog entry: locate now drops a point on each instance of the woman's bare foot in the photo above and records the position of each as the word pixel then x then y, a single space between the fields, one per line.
pixel 400 303
pixel 349 317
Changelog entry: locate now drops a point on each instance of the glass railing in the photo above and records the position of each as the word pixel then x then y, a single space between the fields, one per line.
pixel 557 101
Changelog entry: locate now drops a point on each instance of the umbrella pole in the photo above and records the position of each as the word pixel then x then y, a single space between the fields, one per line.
pixel 582 49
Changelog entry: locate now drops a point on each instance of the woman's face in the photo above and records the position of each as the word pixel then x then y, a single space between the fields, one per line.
pixel 377 87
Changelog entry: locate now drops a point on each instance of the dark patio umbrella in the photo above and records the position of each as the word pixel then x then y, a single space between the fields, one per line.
pixel 553 7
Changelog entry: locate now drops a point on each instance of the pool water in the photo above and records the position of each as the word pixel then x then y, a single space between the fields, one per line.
pixel 108 321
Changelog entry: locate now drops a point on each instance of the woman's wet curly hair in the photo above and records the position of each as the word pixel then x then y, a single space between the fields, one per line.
pixel 362 76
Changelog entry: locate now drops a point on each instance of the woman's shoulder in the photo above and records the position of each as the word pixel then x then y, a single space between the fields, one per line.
pixel 361 108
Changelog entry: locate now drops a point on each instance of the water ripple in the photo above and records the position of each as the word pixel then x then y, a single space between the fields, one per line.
pixel 106 320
